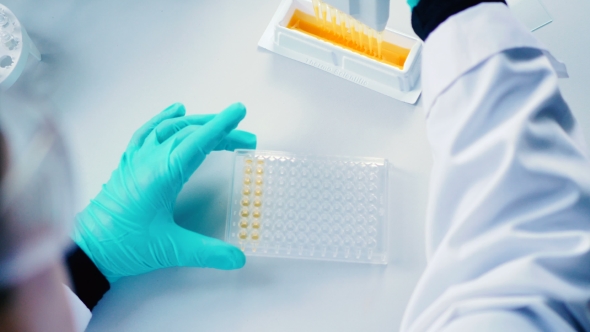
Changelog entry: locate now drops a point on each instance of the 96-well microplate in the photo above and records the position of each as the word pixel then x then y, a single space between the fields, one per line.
pixel 312 207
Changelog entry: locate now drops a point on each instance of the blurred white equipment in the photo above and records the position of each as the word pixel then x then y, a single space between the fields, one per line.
pixel 15 48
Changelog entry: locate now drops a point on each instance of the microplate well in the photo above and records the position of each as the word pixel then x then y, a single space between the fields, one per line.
pixel 311 207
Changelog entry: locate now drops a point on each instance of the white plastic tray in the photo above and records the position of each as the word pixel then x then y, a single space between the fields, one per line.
pixel 402 84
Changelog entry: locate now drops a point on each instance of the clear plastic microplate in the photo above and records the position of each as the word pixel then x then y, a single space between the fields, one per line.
pixel 311 207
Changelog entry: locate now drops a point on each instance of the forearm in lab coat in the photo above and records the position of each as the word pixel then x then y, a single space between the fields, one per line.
pixel 508 222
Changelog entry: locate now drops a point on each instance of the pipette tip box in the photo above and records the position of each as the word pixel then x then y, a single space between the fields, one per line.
pixel 309 207
pixel 400 83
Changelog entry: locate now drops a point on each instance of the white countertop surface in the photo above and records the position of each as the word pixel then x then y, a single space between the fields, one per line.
pixel 110 65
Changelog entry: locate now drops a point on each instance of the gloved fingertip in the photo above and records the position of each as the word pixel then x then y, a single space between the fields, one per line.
pixel 226 258
pixel 250 141
pixel 176 108
pixel 240 105
pixel 242 140
pixel 237 109
pixel 412 3
pixel 239 259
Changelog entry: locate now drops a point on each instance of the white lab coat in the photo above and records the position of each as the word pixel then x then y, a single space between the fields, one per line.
pixel 80 313
pixel 508 221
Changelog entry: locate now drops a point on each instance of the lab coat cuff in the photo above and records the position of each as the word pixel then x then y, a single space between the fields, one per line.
pixel 429 14
pixel 469 38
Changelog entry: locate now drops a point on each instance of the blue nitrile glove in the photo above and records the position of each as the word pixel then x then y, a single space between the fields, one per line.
pixel 413 3
pixel 128 229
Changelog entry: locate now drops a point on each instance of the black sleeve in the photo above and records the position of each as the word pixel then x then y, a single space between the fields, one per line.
pixel 89 284
pixel 429 14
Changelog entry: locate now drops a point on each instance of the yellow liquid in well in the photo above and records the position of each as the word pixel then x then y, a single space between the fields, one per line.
pixel 338 33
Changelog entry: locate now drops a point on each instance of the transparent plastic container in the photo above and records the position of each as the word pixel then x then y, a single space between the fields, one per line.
pixel 310 207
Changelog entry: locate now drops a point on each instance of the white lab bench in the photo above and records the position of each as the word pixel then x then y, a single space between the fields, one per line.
pixel 110 65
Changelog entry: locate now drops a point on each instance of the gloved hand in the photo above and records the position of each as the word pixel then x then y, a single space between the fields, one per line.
pixel 128 229
pixel 413 3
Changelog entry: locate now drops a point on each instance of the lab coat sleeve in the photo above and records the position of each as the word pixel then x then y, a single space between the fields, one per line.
pixel 508 220
pixel 80 313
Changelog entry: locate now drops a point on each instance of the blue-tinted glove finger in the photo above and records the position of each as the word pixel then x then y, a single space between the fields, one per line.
pixel 172 111
pixel 169 127
pixel 194 249
pixel 412 3
pixel 236 139
pixel 193 149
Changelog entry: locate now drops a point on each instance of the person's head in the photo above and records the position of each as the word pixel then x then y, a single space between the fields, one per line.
pixel 35 220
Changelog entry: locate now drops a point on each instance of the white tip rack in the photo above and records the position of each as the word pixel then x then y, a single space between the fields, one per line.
pixel 402 84
pixel 15 48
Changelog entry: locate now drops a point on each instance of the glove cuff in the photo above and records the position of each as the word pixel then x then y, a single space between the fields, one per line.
pixel 429 14
pixel 89 283
pixel 89 234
